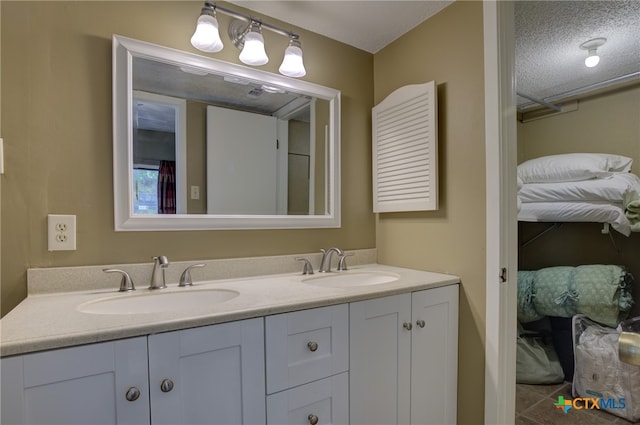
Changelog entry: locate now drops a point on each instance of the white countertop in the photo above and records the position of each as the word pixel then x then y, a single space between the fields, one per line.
pixel 52 320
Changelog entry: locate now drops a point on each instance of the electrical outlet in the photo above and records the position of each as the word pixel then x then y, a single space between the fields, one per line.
pixel 62 232
pixel 195 192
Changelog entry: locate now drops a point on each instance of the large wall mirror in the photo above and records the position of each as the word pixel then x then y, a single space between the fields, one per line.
pixel 205 144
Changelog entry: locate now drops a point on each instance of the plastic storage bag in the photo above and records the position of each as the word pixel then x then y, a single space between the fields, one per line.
pixel 536 361
pixel 600 374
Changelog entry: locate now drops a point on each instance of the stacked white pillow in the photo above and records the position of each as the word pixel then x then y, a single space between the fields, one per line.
pixel 581 187
pixel 572 167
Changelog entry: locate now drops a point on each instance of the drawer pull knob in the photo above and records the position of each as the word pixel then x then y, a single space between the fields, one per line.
pixel 313 419
pixel 132 394
pixel 166 385
pixel 407 326
pixel 421 323
pixel 313 346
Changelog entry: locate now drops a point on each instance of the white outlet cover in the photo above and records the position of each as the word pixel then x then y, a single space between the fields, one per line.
pixel 61 232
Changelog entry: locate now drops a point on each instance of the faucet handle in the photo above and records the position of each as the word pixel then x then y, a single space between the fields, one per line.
pixel 342 262
pixel 308 268
pixel 126 283
pixel 185 277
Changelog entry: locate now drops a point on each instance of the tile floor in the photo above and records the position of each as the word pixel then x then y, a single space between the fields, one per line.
pixel 534 406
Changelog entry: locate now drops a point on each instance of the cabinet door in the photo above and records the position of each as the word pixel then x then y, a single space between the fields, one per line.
pixel 322 402
pixel 434 356
pixel 380 355
pixel 79 385
pixel 208 375
pixel 306 345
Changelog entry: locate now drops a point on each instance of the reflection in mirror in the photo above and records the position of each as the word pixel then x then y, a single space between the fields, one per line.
pixel 204 144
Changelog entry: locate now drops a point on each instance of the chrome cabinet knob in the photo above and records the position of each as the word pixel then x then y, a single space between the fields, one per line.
pixel 166 385
pixel 407 326
pixel 313 419
pixel 313 346
pixel 132 394
pixel 421 323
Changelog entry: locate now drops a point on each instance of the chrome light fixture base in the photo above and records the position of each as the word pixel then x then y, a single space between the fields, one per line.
pixel 237 30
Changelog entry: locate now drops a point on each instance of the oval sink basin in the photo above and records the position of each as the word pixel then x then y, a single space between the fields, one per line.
pixel 158 301
pixel 351 279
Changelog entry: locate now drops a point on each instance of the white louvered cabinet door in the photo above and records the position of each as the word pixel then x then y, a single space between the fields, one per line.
pixel 405 150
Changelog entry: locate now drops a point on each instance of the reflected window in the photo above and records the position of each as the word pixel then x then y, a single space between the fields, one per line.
pixel 145 189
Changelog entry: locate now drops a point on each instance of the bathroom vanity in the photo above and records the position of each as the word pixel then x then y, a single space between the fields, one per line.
pixel 373 344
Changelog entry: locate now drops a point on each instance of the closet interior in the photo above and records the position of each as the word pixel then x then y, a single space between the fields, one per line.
pixel 578 207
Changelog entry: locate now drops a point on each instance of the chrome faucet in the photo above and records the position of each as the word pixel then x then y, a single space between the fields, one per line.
pixel 325 264
pixel 185 277
pixel 160 264
pixel 342 261
pixel 126 283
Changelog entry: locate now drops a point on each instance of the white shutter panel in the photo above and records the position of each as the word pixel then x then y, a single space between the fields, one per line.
pixel 405 150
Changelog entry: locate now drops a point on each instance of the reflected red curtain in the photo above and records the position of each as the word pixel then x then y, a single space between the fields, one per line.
pixel 167 187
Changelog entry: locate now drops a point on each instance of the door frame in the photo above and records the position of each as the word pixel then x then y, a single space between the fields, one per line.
pixel 180 130
pixel 501 209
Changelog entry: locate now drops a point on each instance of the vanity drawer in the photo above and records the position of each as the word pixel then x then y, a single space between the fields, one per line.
pixel 321 402
pixel 305 346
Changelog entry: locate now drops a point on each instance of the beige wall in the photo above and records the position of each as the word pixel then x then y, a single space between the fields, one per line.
pixel 448 49
pixel 56 107
pixel 57 114
pixel 608 123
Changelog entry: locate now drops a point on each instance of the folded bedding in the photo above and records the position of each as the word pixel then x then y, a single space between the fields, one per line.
pixel 632 210
pixel 601 292
pixel 590 212
pixel 615 188
pixel 614 199
pixel 526 310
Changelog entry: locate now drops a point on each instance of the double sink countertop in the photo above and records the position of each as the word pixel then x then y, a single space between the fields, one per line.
pixel 54 319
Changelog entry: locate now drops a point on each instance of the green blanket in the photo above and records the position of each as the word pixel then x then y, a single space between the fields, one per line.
pixel 632 212
pixel 526 310
pixel 601 292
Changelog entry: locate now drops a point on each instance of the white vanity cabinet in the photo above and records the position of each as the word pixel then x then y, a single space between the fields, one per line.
pixel 388 360
pixel 207 375
pixel 105 383
pixel 404 355
pixel 307 357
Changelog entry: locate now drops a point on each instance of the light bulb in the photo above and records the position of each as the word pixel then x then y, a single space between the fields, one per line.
pixel 292 65
pixel 253 52
pixel 593 59
pixel 206 36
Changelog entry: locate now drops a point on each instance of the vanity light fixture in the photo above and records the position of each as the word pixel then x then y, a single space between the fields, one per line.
pixel 592 47
pixel 253 52
pixel 292 65
pixel 207 37
pixel 246 34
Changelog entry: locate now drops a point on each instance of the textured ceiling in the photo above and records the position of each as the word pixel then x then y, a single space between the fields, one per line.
pixel 549 60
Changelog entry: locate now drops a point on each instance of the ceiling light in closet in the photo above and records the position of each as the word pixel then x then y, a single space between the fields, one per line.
pixel 592 47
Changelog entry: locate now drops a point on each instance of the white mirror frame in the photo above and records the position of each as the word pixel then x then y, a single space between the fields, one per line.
pixel 124 50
